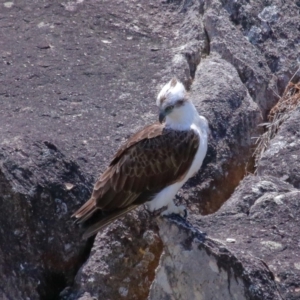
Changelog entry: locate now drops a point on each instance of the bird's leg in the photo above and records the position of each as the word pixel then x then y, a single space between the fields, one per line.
pixel 173 209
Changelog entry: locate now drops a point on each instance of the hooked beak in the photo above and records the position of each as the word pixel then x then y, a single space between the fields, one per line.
pixel 162 116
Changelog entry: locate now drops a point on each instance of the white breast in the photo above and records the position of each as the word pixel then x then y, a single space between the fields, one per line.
pixel 201 152
pixel 164 197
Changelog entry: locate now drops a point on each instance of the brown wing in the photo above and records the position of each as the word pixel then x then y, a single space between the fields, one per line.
pixel 148 132
pixel 150 160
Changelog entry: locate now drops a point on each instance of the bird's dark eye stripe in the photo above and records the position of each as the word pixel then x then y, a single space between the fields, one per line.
pixel 169 108
pixel 179 103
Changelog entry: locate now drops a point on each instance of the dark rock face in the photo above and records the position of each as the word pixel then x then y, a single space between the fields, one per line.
pixel 79 77
pixel 39 247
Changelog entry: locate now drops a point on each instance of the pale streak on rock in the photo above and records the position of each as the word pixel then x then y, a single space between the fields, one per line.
pixel 193 266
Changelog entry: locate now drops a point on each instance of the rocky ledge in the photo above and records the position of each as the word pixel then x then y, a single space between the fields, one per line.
pixel 78 78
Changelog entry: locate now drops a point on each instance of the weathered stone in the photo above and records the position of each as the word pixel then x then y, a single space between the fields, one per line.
pixel 122 261
pixel 194 266
pixel 228 41
pixel 261 217
pixel 72 88
pixel 79 77
pixel 223 99
pixel 278 43
pixel 282 159
pixel 38 241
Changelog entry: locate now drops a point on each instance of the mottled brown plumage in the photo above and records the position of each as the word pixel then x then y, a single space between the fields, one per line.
pixel 150 160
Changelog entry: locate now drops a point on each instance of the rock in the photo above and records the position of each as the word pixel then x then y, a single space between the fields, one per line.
pixel 278 23
pixel 38 241
pixel 77 79
pixel 223 99
pixel 122 262
pixel 285 145
pixel 58 126
pixel 228 41
pixel 227 26
pixel 195 266
pixel 261 217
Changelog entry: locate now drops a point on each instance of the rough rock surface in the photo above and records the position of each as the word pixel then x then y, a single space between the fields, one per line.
pixel 78 77
pixel 194 266
pixel 258 226
pixel 39 247
pixel 285 145
pixel 220 95
pixel 228 25
pixel 123 267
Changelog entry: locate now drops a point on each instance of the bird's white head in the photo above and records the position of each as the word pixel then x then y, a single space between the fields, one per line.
pixel 174 106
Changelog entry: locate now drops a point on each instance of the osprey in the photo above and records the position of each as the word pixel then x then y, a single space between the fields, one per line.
pixel 153 164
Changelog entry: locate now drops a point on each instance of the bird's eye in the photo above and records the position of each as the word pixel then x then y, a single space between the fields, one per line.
pixel 179 103
pixel 168 109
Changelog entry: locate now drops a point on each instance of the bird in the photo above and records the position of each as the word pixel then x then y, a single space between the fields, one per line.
pixel 152 165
